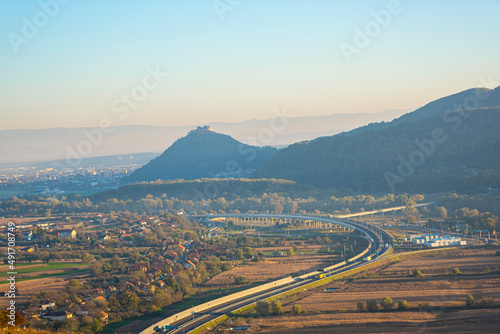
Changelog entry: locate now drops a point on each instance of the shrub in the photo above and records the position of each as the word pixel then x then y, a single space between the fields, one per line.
pixel 276 307
pixel 387 303
pixel 470 302
pixel 415 273
pixel 372 306
pixel 403 305
pixel 486 302
pixel 262 307
pixel 240 280
pixel 361 306
pixel 456 271
pixel 296 309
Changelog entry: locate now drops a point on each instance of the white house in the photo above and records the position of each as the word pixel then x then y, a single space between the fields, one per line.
pixel 49 303
pixel 67 233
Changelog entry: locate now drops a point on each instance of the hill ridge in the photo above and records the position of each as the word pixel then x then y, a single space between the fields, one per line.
pixel 203 153
pixel 370 160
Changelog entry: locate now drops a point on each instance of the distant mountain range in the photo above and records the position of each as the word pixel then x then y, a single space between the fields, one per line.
pixel 203 153
pixel 451 144
pixel 58 143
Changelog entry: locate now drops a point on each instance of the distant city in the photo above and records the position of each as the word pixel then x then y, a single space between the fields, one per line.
pixel 32 180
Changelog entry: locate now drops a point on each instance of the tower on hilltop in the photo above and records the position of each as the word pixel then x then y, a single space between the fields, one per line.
pixel 205 128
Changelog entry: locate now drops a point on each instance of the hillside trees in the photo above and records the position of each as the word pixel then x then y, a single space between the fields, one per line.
pixel 133 203
pixel 466 161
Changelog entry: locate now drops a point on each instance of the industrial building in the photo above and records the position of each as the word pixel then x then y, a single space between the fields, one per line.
pixel 445 242
pixel 421 238
pixel 435 240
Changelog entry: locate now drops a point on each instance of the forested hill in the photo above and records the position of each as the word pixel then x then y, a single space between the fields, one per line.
pixel 203 153
pixel 202 189
pixel 460 153
pixel 474 98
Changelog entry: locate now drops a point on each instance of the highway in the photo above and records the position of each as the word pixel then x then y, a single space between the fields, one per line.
pixel 187 324
pixel 395 208
pixel 377 237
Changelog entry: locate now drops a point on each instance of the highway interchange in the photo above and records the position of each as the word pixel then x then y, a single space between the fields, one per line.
pixel 380 244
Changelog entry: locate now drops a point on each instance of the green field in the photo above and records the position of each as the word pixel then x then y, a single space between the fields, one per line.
pixel 69 272
pixel 48 266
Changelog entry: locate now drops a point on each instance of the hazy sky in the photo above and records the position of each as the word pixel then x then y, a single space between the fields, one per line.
pixel 69 65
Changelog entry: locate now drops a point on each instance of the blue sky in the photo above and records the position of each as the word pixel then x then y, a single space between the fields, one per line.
pixel 263 55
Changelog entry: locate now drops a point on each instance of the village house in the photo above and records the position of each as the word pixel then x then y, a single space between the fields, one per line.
pixel 49 303
pixel 168 263
pixel 100 219
pixel 189 265
pixel 103 316
pixel 178 249
pixel 97 291
pixel 75 308
pixel 82 312
pixel 139 266
pixel 67 233
pixel 171 254
pixel 156 270
pixel 150 278
pixel 173 243
pixel 57 315
pixel 100 299
pixel 194 256
pixel 208 251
